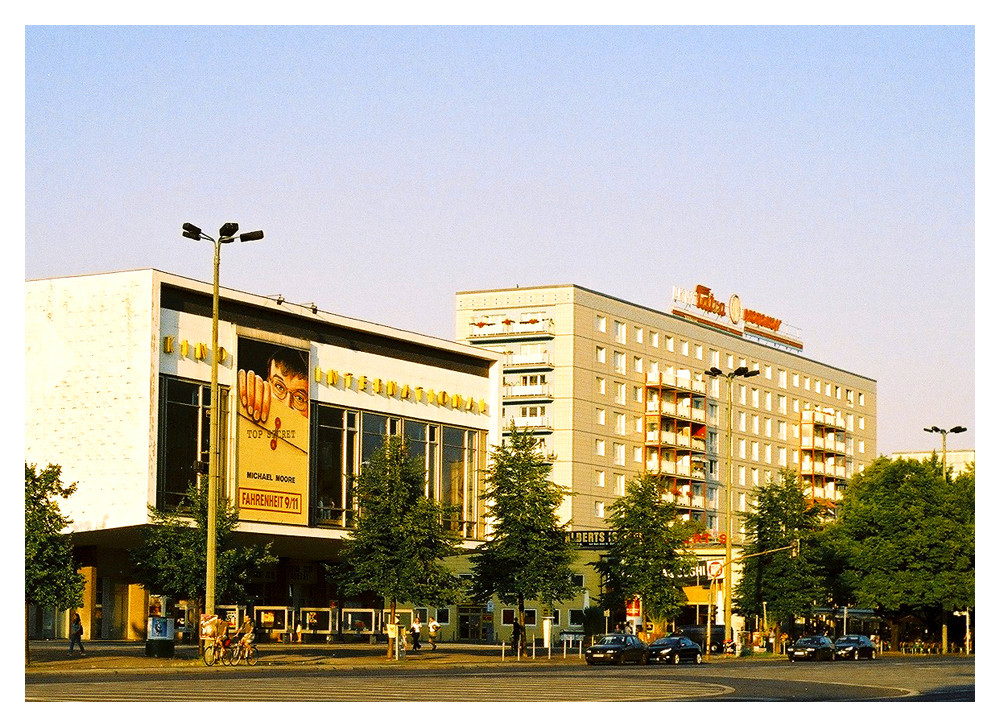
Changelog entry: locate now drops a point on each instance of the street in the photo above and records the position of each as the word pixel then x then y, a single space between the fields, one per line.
pixel 893 678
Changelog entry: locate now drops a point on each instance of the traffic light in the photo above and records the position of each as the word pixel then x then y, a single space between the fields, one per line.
pixel 795 548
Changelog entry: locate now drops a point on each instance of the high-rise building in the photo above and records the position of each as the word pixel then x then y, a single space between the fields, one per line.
pixel 613 389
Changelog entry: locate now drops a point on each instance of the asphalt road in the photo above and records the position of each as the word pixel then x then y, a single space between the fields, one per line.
pixel 741 680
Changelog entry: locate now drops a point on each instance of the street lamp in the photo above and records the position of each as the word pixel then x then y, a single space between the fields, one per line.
pixel 227 233
pixel 746 373
pixel 944 445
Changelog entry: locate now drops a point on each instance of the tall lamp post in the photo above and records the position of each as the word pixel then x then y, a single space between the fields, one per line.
pixel 227 233
pixel 741 372
pixel 944 446
pixel 944 476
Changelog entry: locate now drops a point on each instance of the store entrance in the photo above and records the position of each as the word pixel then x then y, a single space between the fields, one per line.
pixel 470 623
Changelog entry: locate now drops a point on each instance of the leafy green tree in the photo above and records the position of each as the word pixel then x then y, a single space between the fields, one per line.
pixel 399 544
pixel 528 555
pixel 172 557
pixel 648 556
pixel 790 586
pixel 906 538
pixel 51 578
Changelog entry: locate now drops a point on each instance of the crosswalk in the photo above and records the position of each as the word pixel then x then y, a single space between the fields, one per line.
pixel 339 687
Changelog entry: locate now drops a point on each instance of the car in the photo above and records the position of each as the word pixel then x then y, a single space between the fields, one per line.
pixel 818 648
pixel 674 649
pixel 617 649
pixel 854 646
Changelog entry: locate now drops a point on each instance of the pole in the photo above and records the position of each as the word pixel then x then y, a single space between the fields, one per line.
pixel 728 574
pixel 213 441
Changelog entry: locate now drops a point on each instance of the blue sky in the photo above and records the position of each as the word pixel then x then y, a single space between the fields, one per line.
pixel 826 174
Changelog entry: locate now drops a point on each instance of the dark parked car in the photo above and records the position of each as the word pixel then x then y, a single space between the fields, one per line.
pixel 674 649
pixel 818 648
pixel 617 649
pixel 854 646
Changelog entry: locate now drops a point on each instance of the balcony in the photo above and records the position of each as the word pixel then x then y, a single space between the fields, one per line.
pixel 527 360
pixel 525 391
pixel 674 382
pixel 481 330
pixel 539 422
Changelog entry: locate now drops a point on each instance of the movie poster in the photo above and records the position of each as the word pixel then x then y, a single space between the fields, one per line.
pixel 272 454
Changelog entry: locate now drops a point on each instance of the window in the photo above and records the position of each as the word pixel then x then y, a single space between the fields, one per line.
pixel 861 398
pixel 684 348
pixel 508 615
pixel 782 457
pixel 755 424
pixel 575 617
pixel 782 404
pixel 698 351
pixel 602 324
pixel 620 334
pixel 743 394
pixel 742 426
pixel 602 385
pixel 729 361
pixel 713 357
pixel 767 453
pixel 600 417
pixel 836 391
pixel 637 364
pixel 619 484
pixel 637 451
pixel 849 393
pixel 619 392
pixel 755 398
pixel 782 378
pixel 767 371
pixel 599 478
pixel 742 448
pixel 767 426
pixel 638 335
pixel 861 446
pixel 861 423
pixel 795 379
pixel 755 453
pixel 619 453
pixel 184 437
pixel 637 394
pixel 619 423
pixel 619 362
pixel 602 354
pixel 670 343
pixel 828 388
pixel 767 400
pixel 599 508
pixel 599 447
pixel 783 430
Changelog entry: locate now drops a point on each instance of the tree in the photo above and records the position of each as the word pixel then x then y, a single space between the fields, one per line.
pixel 790 586
pixel 907 538
pixel 171 560
pixel 51 577
pixel 528 555
pixel 647 557
pixel 399 544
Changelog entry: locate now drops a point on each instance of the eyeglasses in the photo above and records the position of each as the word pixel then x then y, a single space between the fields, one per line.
pixel 299 399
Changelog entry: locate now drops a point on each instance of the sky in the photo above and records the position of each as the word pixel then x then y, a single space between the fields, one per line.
pixel 826 174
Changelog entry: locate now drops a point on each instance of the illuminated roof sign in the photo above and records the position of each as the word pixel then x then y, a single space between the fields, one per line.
pixel 732 317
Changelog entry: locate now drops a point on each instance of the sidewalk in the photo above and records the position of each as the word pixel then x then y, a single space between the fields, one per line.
pixel 53 657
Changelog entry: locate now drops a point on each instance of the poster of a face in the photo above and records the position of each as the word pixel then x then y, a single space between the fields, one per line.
pixel 272 456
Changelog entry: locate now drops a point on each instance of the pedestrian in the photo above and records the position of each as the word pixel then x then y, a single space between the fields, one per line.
pixel 515 637
pixel 415 633
pixel 433 627
pixel 76 634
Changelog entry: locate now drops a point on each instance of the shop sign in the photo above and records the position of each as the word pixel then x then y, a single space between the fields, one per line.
pixel 591 538
pixel 703 299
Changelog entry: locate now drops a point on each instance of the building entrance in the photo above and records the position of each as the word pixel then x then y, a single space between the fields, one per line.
pixel 470 623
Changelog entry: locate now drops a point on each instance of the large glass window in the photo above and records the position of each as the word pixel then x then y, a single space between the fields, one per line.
pixel 184 438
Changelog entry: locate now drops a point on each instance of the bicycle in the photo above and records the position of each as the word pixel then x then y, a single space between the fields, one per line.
pixel 246 651
pixel 218 650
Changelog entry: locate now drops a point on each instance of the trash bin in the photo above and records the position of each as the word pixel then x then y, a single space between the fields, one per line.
pixel 160 637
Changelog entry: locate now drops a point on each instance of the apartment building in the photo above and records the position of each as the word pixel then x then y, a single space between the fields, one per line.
pixel 613 389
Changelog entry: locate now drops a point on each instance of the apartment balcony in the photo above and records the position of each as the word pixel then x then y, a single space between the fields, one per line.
pixel 678 411
pixel 539 422
pixel 511 329
pixel 525 391
pixel 675 382
pixel 527 360
pixel 825 419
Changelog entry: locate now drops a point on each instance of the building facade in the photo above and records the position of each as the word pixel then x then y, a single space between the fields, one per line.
pixel 613 389
pixel 119 397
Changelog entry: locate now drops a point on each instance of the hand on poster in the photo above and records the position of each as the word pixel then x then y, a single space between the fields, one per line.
pixel 255 395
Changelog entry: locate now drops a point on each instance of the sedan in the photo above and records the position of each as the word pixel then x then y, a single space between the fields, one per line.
pixel 674 649
pixel 854 646
pixel 617 649
pixel 818 648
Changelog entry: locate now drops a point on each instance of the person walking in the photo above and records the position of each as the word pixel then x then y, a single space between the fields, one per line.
pixel 76 634
pixel 433 627
pixel 515 637
pixel 415 632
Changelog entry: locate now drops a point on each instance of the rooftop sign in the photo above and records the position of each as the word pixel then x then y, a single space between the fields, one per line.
pixel 731 316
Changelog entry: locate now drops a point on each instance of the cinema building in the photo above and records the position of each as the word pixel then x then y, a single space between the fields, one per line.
pixel 119 394
pixel 614 389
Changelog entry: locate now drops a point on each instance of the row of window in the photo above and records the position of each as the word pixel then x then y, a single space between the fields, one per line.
pixel 714 358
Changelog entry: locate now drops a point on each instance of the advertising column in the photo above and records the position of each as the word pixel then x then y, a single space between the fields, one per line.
pixel 272 454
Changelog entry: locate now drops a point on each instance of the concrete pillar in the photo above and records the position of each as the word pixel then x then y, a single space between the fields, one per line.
pixel 86 611
pixel 138 610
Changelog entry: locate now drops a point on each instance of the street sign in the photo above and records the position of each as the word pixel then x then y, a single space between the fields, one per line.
pixel 715 569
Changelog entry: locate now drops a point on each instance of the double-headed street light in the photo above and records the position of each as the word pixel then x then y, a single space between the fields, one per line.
pixel 741 372
pixel 944 445
pixel 227 233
